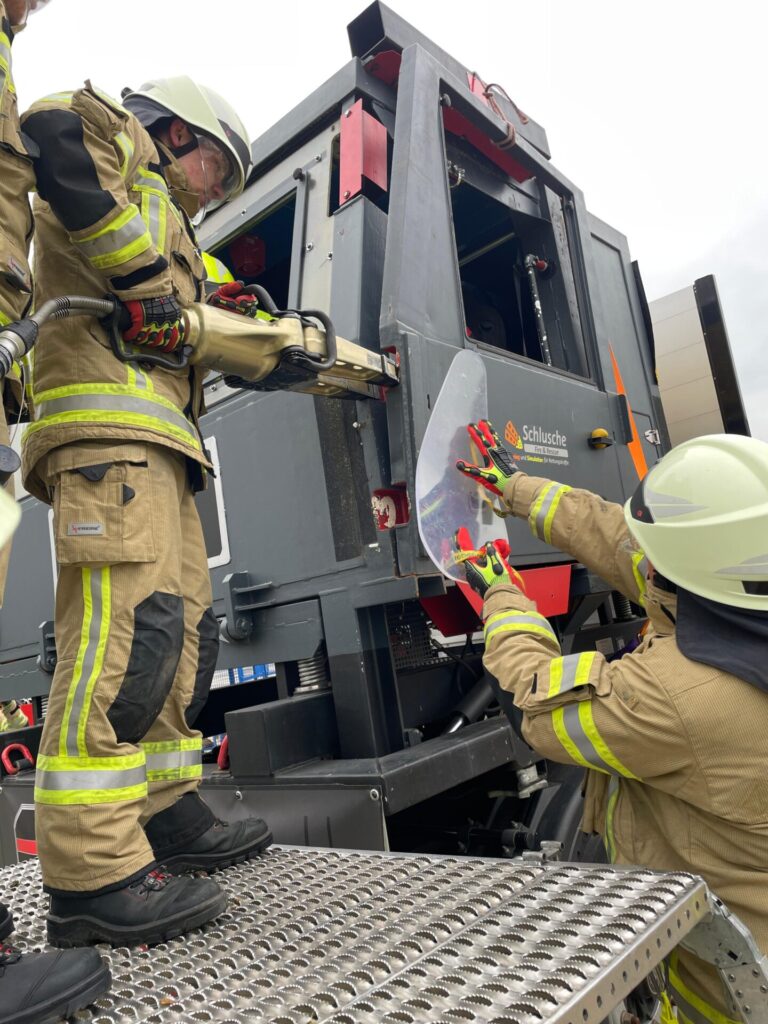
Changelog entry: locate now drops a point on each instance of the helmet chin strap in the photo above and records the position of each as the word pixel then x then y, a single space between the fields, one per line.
pixel 188 147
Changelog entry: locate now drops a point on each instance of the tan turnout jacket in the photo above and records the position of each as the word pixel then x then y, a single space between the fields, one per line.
pixel 676 750
pixel 106 222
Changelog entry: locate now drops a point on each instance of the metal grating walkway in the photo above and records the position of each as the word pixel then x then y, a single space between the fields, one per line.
pixel 315 935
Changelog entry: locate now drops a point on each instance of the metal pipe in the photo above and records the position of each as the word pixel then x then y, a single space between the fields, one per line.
pixel 532 264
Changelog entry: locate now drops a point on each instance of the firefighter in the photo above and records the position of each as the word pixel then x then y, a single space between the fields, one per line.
pixel 16 181
pixel 115 447
pixel 673 734
pixel 46 986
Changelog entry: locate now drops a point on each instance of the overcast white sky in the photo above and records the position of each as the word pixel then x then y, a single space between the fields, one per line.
pixel 656 110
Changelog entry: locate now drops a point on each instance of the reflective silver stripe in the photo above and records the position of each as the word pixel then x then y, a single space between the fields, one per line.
pixel 94 631
pixel 5 53
pixel 539 523
pixel 112 241
pixel 90 780
pixel 571 664
pixel 145 181
pixel 521 620
pixel 140 380
pixel 115 403
pixel 666 506
pixel 155 208
pixel 2 80
pixel 174 759
pixel 580 739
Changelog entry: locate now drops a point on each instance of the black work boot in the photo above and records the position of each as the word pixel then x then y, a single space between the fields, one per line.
pixel 6 922
pixel 39 988
pixel 188 837
pixel 152 909
pixel 223 844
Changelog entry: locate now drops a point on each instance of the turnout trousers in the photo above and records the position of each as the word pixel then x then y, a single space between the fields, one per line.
pixel 136 642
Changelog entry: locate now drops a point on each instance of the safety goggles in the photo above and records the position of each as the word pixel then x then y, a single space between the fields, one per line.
pixel 219 174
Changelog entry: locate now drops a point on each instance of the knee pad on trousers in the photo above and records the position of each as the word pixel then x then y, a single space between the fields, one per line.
pixel 208 651
pixel 158 639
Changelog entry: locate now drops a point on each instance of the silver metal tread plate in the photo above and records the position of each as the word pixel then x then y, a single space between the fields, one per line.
pixel 346 937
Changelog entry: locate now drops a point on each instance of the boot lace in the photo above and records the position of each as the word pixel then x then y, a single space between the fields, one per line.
pixel 8 955
pixel 153 882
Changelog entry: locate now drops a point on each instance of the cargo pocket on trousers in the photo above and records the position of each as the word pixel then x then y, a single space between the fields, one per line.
pixel 103 508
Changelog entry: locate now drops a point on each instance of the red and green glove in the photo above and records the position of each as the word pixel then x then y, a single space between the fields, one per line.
pixel 235 298
pixel 153 323
pixel 497 469
pixel 486 567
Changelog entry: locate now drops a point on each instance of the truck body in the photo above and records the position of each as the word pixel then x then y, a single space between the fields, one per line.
pixel 419 207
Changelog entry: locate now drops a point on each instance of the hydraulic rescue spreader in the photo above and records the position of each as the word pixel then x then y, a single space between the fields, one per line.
pixel 291 350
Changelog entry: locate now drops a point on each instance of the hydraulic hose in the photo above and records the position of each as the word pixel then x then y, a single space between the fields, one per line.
pixel 17 338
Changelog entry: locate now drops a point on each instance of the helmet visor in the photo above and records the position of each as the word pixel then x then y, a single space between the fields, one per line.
pixel 219 174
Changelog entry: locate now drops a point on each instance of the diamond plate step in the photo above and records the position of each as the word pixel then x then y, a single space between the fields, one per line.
pixel 317 935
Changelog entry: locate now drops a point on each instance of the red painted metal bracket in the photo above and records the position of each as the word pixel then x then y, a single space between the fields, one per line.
pixel 363 152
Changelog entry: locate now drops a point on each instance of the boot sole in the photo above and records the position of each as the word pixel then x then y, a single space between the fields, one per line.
pixel 208 862
pixel 67 932
pixel 6 925
pixel 65 1004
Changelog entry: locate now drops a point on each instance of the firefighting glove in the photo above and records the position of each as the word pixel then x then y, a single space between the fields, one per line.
pixel 488 566
pixel 154 323
pixel 498 468
pixel 234 297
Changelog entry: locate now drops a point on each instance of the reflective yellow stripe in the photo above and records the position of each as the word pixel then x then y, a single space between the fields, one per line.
pixel 126 146
pixel 169 746
pixel 190 771
pixel 77 671
pixel 122 404
pixel 89 780
pixel 119 419
pixel 610 840
pixel 91 796
pixel 569 672
pixel 639 570
pixel 691 1008
pixel 4 319
pixel 575 727
pixel 543 510
pixel 122 239
pixel 154 211
pixel 558 724
pixel 98 661
pixel 150 181
pixel 57 97
pixel 602 748
pixel 174 759
pixel 519 622
pixel 217 273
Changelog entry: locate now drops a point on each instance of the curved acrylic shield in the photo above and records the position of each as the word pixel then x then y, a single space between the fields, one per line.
pixel 10 514
pixel 445 499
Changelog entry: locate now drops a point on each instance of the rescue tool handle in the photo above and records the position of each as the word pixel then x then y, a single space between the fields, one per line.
pixel 121 351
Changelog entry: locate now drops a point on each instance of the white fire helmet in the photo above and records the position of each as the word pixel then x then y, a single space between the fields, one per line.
pixel 701 517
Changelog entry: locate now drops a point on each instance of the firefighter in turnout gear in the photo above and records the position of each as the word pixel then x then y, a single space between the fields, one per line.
pixel 673 734
pixel 114 446
pixel 16 181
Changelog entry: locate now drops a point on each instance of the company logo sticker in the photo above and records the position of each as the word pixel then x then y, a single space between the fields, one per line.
pixel 511 435
pixel 85 529
pixel 537 444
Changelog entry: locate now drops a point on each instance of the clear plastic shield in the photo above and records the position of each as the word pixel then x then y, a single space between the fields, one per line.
pixel 445 498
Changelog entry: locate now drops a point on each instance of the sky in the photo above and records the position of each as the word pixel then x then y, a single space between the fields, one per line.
pixel 655 110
